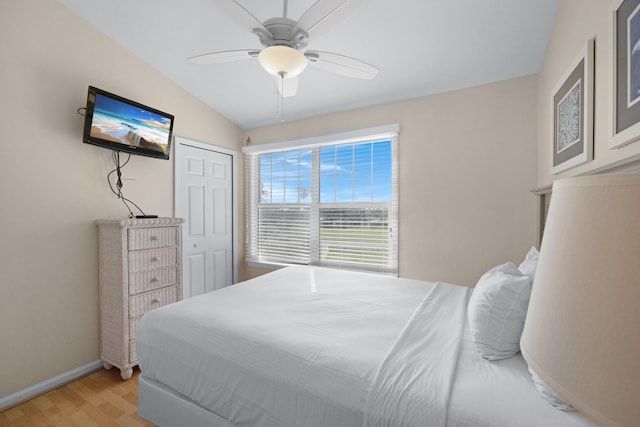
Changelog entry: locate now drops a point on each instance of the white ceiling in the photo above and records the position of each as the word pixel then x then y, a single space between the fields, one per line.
pixel 421 47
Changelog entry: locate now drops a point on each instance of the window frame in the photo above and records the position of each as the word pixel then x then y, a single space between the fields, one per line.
pixel 252 165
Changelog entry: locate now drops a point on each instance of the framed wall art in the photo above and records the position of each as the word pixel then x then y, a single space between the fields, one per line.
pixel 572 113
pixel 624 120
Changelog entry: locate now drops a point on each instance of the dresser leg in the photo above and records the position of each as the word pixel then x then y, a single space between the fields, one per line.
pixel 107 365
pixel 125 374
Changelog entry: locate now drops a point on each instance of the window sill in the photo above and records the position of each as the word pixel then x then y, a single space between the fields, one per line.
pixel 277 266
pixel 263 264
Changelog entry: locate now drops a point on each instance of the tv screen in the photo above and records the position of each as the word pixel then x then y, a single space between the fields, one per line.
pixel 124 125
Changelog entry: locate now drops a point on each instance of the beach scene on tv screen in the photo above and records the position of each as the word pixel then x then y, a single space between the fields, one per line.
pixel 119 122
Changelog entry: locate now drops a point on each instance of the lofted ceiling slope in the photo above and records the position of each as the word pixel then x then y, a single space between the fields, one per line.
pixel 420 47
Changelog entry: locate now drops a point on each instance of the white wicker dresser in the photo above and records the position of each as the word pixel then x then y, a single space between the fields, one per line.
pixel 140 269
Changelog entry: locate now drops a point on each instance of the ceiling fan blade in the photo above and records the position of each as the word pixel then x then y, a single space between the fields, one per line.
pixel 342 65
pixel 226 56
pixel 241 15
pixel 288 86
pixel 324 11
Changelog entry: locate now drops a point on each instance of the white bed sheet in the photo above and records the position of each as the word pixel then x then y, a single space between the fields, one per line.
pixel 414 381
pixel 280 356
pixel 501 393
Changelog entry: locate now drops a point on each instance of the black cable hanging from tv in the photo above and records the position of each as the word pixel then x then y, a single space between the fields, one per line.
pixel 115 156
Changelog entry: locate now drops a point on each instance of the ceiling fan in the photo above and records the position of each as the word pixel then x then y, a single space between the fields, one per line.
pixel 285 41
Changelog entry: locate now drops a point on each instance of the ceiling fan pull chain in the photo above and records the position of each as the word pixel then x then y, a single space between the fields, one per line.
pixel 280 95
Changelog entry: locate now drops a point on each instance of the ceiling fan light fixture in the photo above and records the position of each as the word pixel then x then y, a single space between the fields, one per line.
pixel 282 60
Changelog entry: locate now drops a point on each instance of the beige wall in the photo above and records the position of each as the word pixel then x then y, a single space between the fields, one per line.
pixel 576 22
pixel 467 160
pixel 53 186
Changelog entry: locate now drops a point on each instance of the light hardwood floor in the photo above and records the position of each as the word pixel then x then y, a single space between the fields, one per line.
pixel 98 399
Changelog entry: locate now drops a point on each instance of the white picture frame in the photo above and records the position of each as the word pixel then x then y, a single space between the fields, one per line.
pixel 572 112
pixel 624 117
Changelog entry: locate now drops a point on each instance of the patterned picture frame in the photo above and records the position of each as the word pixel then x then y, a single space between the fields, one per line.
pixel 572 113
pixel 624 66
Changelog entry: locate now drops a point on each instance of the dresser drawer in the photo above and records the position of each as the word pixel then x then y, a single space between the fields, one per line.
pixel 149 238
pixel 149 280
pixel 140 304
pixel 152 258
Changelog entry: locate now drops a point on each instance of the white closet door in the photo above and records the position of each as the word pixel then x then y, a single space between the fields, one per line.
pixel 204 198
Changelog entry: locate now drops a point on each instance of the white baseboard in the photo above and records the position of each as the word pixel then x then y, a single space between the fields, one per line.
pixel 49 384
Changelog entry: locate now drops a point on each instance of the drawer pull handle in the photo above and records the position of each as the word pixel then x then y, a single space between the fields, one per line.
pixel 154 279
pixel 154 259
pixel 154 237
pixel 155 301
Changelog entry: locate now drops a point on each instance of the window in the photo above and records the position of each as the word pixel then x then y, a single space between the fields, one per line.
pixel 331 203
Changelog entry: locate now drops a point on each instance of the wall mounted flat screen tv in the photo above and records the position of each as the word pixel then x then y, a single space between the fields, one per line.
pixel 114 122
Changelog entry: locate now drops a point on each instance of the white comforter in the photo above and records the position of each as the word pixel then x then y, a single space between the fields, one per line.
pixel 298 347
pixel 306 346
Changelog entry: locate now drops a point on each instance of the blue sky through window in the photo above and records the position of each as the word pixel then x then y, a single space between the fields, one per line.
pixel 348 173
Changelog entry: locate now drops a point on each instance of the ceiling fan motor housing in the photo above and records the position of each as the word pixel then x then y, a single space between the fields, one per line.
pixel 282 32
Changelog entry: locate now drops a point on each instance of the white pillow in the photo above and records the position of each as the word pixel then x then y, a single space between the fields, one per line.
pixel 530 263
pixel 548 394
pixel 497 310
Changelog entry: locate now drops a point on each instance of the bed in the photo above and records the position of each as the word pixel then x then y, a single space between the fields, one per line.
pixel 307 346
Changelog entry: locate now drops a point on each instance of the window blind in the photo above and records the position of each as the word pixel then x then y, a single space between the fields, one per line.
pixel 330 204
